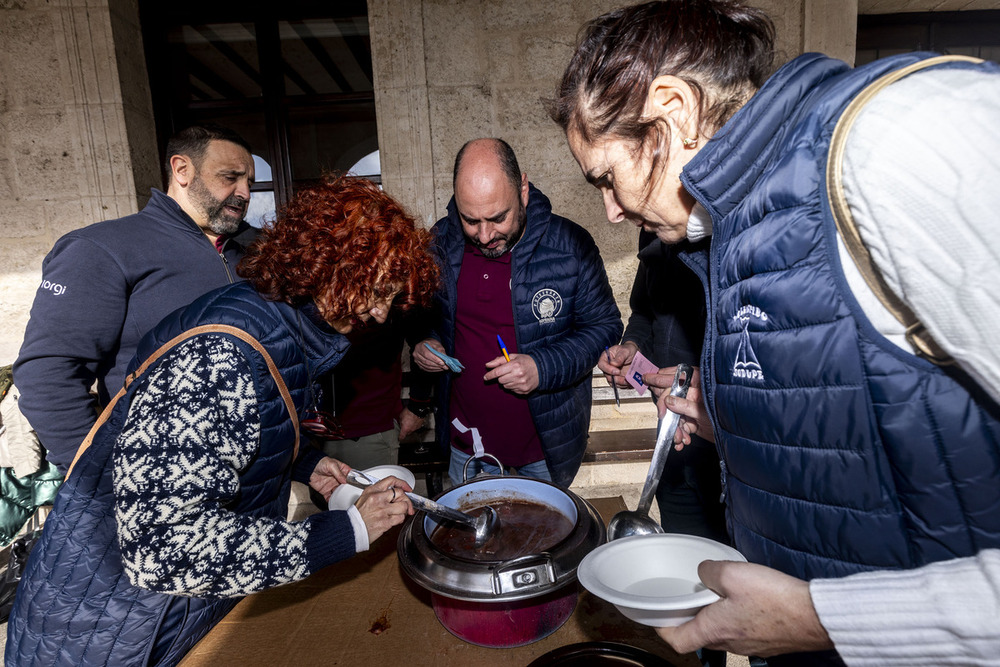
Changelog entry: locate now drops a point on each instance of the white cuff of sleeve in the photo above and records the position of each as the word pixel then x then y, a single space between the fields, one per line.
pixel 360 529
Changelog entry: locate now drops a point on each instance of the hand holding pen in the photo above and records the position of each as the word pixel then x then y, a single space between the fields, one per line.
pixel 515 372
pixel 614 384
pixel 613 362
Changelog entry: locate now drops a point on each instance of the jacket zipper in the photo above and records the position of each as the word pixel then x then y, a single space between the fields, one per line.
pixel 225 265
pixel 225 262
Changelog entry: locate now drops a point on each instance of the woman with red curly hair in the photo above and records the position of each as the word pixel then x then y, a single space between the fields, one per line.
pixel 175 506
pixel 349 248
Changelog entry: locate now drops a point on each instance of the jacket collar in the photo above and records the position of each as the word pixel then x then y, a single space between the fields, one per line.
pixel 321 345
pixel 539 211
pixel 166 209
pixel 752 136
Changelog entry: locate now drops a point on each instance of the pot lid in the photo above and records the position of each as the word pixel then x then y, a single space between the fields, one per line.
pixel 595 654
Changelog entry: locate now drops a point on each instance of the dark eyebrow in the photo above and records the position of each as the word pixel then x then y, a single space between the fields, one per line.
pixel 237 172
pixel 494 219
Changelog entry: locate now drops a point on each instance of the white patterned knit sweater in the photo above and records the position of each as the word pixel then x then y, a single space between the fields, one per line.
pixel 191 428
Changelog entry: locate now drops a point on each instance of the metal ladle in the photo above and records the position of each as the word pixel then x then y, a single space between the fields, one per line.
pixel 485 524
pixel 627 523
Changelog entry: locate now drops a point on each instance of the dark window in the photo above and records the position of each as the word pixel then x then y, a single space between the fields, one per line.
pixel 293 77
pixel 971 33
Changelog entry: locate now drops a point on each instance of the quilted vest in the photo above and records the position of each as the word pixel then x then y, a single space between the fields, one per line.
pixel 841 452
pixel 75 606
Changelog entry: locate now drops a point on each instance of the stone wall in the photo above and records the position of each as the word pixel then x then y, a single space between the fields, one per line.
pixel 447 71
pixel 77 143
pixel 65 147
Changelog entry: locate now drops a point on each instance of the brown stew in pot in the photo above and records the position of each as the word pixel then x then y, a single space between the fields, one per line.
pixel 524 528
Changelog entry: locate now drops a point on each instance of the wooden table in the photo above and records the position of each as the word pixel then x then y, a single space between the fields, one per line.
pixel 366 611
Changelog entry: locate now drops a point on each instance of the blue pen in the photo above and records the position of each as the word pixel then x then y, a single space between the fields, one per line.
pixel 614 383
pixel 503 348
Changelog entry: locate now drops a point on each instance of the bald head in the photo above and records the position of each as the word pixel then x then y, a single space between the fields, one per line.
pixel 481 152
pixel 491 195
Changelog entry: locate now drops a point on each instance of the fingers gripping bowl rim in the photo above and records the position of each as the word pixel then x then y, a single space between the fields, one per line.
pixel 345 495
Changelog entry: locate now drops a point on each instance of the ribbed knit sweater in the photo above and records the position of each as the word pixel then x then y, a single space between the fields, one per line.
pixel 931 229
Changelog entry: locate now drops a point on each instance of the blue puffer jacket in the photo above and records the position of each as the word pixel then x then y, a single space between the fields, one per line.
pixel 74 605
pixel 842 452
pixel 553 254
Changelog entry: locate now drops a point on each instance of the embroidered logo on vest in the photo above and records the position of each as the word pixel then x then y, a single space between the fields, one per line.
pixel 546 304
pixel 746 365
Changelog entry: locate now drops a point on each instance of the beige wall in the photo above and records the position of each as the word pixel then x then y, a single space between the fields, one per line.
pixel 77 143
pixel 65 148
pixel 447 71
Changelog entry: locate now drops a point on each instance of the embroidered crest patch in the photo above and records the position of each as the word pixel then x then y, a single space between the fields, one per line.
pixel 746 365
pixel 546 305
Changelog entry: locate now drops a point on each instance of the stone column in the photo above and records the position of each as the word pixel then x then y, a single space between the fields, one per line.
pixel 401 105
pixel 65 147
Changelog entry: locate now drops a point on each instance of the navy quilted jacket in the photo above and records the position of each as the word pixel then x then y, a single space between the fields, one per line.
pixel 553 254
pixel 842 452
pixel 74 604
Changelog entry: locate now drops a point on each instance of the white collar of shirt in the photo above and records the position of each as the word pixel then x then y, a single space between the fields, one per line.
pixel 699 224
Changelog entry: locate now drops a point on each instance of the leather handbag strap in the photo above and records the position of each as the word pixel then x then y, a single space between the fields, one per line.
pixel 916 332
pixel 205 328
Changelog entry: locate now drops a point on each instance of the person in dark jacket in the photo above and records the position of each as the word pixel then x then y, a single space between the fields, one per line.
pixel 849 378
pixel 517 274
pixel 667 327
pixel 104 286
pixel 175 507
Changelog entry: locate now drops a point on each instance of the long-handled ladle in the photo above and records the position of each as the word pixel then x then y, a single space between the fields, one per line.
pixel 627 523
pixel 485 524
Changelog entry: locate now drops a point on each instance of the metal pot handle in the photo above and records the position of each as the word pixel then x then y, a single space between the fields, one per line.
pixel 484 455
pixel 524 573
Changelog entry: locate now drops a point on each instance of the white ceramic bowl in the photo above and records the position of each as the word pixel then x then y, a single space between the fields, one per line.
pixel 653 579
pixel 346 495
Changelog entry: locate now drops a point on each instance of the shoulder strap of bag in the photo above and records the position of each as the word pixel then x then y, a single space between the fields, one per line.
pixel 916 332
pixel 205 328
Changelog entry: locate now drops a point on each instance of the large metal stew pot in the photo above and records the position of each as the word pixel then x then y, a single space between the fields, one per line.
pixel 502 603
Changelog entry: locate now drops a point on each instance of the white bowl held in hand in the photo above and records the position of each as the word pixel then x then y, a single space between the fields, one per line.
pixel 653 579
pixel 346 495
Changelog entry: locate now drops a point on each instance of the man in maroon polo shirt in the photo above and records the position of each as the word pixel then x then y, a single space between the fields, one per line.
pixel 512 271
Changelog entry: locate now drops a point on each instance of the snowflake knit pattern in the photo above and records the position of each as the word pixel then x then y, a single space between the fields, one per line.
pixel 192 427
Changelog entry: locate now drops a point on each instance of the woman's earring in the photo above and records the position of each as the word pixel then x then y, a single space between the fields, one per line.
pixel 689 143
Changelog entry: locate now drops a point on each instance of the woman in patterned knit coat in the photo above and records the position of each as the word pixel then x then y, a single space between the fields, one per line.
pixel 175 507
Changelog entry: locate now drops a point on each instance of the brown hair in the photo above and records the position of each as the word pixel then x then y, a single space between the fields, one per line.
pixel 721 48
pixel 340 243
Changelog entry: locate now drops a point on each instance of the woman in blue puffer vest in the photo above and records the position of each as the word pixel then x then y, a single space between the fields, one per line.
pixel 851 288
pixel 175 506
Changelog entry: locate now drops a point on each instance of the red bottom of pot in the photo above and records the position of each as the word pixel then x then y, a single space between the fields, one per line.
pixel 506 624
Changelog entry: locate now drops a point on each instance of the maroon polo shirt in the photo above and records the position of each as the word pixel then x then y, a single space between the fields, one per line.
pixel 484 310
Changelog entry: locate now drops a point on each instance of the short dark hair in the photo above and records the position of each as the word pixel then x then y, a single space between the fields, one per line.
pixel 723 49
pixel 193 142
pixel 505 155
